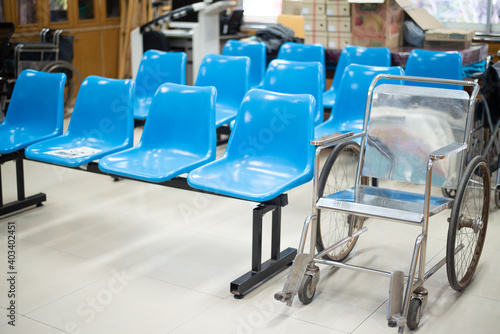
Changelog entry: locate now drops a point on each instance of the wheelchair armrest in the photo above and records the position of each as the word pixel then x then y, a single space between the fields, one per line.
pixel 446 151
pixel 331 138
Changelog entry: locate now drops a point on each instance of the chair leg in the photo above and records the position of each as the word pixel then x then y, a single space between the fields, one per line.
pixel 279 261
pixel 22 201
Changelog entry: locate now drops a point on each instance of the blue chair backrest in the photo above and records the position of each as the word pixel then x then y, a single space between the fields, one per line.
pixel 103 111
pixel 256 51
pixel 297 77
pixel 158 67
pixel 282 127
pixel 434 64
pixel 360 55
pixel 182 118
pixel 304 52
pixel 37 103
pixel 228 74
pixel 353 90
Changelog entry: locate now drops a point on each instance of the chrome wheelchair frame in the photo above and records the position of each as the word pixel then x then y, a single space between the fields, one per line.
pixel 359 201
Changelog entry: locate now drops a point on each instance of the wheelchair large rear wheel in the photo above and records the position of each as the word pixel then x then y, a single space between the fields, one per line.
pixel 338 173
pixel 468 224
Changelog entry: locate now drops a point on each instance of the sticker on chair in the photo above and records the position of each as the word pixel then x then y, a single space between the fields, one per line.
pixel 75 152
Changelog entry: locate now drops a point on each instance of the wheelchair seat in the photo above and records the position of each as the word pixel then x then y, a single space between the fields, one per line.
pixel 178 136
pixel 282 157
pixel 35 112
pixel 401 134
pixel 102 123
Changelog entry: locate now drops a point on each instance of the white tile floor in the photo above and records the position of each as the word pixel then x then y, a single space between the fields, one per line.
pixel 127 257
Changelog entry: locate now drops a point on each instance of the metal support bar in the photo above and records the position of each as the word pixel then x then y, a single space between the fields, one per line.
pixel 276 234
pixel 1 187
pixel 258 216
pixel 261 272
pixel 22 201
pixel 20 179
pixel 340 243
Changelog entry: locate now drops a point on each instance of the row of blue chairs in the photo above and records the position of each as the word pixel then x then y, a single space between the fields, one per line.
pixel 233 75
pixel 178 137
pixel 179 134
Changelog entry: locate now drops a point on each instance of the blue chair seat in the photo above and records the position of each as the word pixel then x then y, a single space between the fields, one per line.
pixel 141 107
pixel 255 180
pixel 35 112
pixel 102 123
pixel 68 151
pixel 355 55
pixel 156 68
pixel 178 136
pixel 225 114
pixel 277 159
pixel 230 76
pixel 348 112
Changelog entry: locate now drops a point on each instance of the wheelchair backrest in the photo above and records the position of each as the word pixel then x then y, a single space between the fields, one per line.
pixel 406 124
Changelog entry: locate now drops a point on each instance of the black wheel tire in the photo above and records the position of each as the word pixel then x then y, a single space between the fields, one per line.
pixel 414 313
pixel 497 198
pixel 450 193
pixel 306 291
pixel 338 173
pixel 468 224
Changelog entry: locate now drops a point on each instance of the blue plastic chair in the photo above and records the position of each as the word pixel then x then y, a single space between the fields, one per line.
pixel 102 123
pixel 280 158
pixel 304 52
pixel 256 51
pixel 349 111
pixel 434 64
pixel 35 112
pixel 178 136
pixel 230 76
pixel 355 55
pixel 295 77
pixel 156 68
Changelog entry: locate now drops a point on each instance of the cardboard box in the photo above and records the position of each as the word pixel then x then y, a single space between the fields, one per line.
pixel 294 22
pixel 338 24
pixel 338 8
pixel 338 40
pixel 315 37
pixel 291 7
pixel 450 35
pixel 378 23
pixel 451 38
pixel 313 9
pixel 314 23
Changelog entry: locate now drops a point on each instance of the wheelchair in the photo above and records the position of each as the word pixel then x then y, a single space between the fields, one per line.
pixel 44 56
pixel 485 140
pixel 411 134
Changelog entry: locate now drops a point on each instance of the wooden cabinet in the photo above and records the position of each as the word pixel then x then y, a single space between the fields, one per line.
pixel 94 24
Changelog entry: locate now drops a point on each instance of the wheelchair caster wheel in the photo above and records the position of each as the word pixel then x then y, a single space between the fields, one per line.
pixel 414 313
pixel 307 290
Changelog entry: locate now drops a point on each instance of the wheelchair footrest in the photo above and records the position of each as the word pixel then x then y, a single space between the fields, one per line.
pixel 396 294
